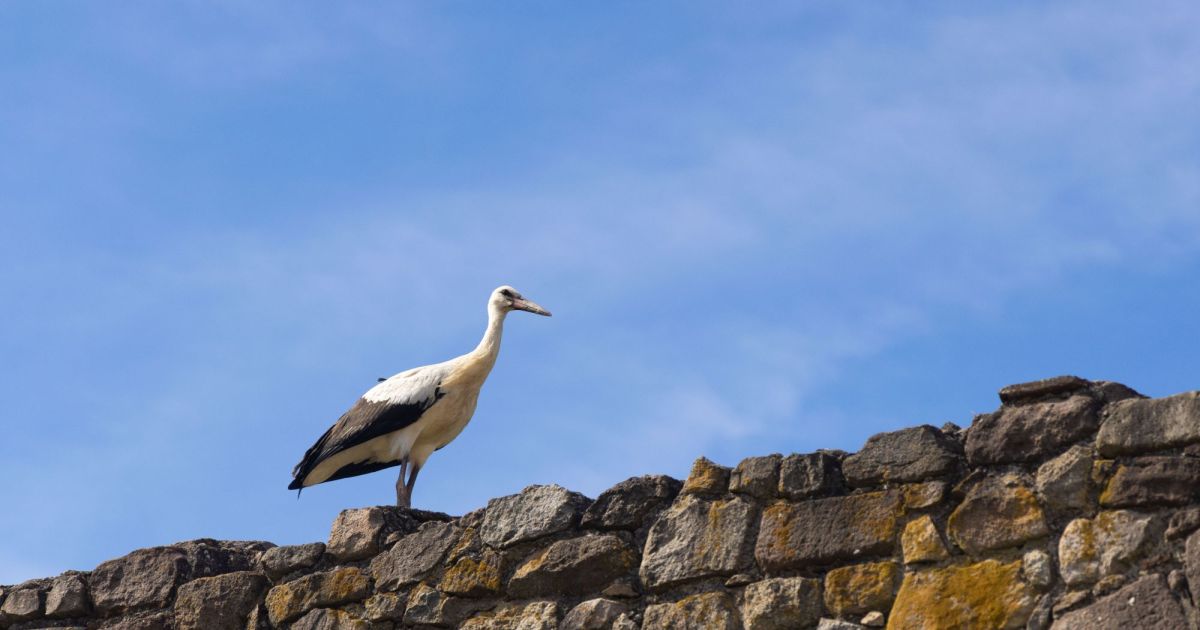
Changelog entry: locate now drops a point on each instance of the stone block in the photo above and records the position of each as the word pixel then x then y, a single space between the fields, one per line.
pixel 414 556
pixel 838 624
pixel 362 532
pixel 594 614
pixel 756 476
pixel 861 588
pixel 1150 481
pixel 1191 563
pixel 706 478
pixel 290 600
pixel 630 504
pixel 328 619
pixel 531 616
pixel 986 594
pixel 1141 425
pixel 1036 390
pixel 1031 432
pixel 1145 604
pixel 280 561
pixel 473 575
pixel 704 611
pixel 919 496
pixel 1062 482
pixel 998 512
pixel 698 538
pixel 1183 522
pixel 1037 570
pixel 21 604
pixel 536 512
pixel 67 597
pixel 221 602
pixel 821 531
pixel 147 578
pixel 575 566
pixel 913 454
pixel 781 603
pixel 921 542
pixel 813 475
pixel 384 607
pixel 1110 543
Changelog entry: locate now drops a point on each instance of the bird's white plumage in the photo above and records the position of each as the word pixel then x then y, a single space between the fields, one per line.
pixel 410 386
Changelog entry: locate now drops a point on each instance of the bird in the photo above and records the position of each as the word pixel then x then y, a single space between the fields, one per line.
pixel 406 417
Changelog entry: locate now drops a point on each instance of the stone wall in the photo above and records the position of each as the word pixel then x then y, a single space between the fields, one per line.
pixel 1076 504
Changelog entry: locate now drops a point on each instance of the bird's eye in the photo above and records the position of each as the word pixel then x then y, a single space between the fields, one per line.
pixel 506 293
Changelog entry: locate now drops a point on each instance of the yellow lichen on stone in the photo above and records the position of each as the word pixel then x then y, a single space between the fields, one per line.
pixel 706 478
pixel 922 543
pixel 987 594
pixel 473 577
pixel 702 611
pixel 861 588
pixel 531 616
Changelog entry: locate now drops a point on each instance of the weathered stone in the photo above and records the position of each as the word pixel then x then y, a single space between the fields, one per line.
pixel 1090 549
pixel 292 599
pixel 22 604
pixel 537 511
pixel 987 594
pixel 622 588
pixel 838 624
pixel 918 496
pixel 1034 390
pixel 1036 569
pixel 1145 604
pixel 1191 561
pixel 147 620
pixel 67 596
pixel 532 616
pixel 327 619
pixel 820 531
pixel 384 607
pixel 1183 522
pixel 221 602
pixel 705 611
pixel 1141 425
pixel 813 475
pixel 756 476
pixel 997 512
pixel 861 588
pixel 706 478
pixel 739 579
pixel 698 538
pixel 147 578
pixel 361 533
pixel 1030 432
pixel 593 614
pixel 1108 584
pixel 922 543
pixel 1177 581
pixel 631 503
pixel 913 454
pixel 473 576
pixel 873 619
pixel 280 561
pixel 574 566
pixel 1153 481
pixel 1062 483
pixel 781 603
pixel 413 557
pixel 427 606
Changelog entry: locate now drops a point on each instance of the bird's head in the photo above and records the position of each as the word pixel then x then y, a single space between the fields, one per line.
pixel 507 299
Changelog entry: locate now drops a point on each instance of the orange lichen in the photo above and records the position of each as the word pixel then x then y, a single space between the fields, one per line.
pixel 987 594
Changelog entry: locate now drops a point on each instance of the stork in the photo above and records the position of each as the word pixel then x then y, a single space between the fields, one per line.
pixel 406 417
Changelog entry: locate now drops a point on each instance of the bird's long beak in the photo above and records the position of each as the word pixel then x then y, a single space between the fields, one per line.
pixel 525 305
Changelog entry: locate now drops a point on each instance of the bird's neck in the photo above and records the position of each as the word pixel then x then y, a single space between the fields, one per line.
pixel 489 347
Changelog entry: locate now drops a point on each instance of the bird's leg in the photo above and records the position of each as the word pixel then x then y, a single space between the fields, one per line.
pixel 402 491
pixel 412 480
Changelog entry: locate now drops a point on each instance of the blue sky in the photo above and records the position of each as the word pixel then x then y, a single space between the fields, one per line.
pixel 761 229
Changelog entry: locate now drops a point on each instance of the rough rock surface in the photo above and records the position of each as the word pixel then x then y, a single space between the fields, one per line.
pixel 997 512
pixel 1142 425
pixel 811 475
pixel 821 531
pixel 536 512
pixel 1064 529
pixel 631 503
pixel 781 603
pixel 913 454
pixel 1146 604
pixel 1031 432
pixel 698 538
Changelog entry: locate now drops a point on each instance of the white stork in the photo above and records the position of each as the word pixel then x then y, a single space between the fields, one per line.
pixel 406 417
